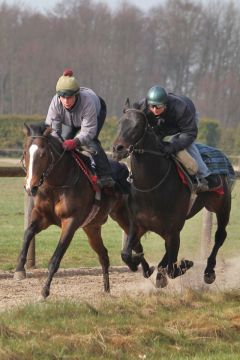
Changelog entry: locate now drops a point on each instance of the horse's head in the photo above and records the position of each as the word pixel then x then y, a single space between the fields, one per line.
pixel 131 129
pixel 37 156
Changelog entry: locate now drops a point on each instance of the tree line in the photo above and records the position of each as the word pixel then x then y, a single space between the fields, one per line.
pixel 189 47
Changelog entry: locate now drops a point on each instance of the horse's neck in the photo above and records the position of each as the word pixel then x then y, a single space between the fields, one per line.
pixel 147 166
pixel 64 172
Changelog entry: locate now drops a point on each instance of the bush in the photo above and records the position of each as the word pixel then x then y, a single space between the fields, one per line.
pixel 209 132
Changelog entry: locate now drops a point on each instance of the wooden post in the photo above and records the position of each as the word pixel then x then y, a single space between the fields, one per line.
pixel 124 239
pixel 28 205
pixel 206 233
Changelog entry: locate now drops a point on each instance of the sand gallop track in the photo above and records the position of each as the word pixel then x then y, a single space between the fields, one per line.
pixel 85 284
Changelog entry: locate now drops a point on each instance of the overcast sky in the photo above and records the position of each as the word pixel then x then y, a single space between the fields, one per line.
pixel 44 5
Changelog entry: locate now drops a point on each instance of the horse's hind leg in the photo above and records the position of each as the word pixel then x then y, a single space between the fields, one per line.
pixel 96 242
pixel 220 236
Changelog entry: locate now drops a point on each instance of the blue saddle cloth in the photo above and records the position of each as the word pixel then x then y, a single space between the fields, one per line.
pixel 216 161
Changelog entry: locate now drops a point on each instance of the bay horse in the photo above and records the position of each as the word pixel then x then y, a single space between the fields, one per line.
pixel 159 201
pixel 64 196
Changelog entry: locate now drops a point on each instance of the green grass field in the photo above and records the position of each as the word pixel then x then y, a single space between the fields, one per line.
pixel 193 325
pixel 79 252
pixel 199 325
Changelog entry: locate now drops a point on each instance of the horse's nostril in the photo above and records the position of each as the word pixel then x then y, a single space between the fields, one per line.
pixel 34 190
pixel 119 148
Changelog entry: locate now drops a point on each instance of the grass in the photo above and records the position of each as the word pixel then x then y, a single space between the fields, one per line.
pixel 180 326
pixel 79 252
pixel 191 325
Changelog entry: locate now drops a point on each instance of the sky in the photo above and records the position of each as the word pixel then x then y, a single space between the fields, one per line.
pixel 46 5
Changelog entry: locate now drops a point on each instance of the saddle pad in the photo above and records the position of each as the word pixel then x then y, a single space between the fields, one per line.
pixel 216 161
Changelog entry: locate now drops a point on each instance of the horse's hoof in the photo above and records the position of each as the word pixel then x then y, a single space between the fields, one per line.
pixel 149 272
pixel 209 278
pixel 19 275
pixel 161 279
pixel 45 292
pixel 188 263
pixel 128 260
pixel 136 259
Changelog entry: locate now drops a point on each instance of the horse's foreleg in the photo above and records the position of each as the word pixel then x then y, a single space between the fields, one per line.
pixel 68 230
pixel 96 242
pixel 175 269
pixel 126 253
pixel 147 270
pixel 29 233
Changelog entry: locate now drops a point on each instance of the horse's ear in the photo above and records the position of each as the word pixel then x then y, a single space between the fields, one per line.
pixel 127 105
pixel 47 131
pixel 26 129
pixel 143 105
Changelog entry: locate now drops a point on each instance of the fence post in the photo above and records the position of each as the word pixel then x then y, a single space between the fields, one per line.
pixel 28 205
pixel 206 233
pixel 124 239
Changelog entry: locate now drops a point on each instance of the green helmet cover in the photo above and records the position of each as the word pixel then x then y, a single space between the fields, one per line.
pixel 67 85
pixel 157 95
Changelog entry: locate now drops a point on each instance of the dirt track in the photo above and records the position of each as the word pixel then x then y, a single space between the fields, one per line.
pixel 86 284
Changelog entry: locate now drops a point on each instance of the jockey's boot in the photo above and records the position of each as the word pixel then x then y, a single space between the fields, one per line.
pixel 214 182
pixel 103 169
pixel 209 183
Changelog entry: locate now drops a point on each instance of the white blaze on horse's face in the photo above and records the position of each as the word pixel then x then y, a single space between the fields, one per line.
pixel 32 153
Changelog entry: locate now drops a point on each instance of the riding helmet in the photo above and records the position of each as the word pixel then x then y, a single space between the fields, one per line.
pixel 157 95
pixel 67 85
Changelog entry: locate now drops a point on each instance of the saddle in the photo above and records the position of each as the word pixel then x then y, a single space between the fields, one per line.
pixel 217 163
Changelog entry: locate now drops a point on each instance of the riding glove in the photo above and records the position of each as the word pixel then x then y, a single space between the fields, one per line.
pixel 70 144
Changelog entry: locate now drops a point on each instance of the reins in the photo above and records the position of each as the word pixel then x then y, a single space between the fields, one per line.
pixel 52 164
pixel 133 149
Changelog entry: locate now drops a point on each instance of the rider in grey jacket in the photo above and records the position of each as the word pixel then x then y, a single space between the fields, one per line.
pixel 76 115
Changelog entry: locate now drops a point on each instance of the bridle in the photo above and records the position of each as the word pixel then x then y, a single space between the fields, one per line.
pixel 52 163
pixel 135 149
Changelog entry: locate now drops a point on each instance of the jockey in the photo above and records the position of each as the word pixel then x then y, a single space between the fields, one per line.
pixel 76 115
pixel 174 115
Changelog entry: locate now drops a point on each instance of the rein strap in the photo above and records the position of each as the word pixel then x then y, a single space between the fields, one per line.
pixel 85 170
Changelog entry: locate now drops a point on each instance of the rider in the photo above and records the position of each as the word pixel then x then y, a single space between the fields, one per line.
pixel 76 115
pixel 171 114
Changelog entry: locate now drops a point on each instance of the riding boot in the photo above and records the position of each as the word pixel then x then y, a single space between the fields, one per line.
pixel 103 168
pixel 209 183
pixel 214 182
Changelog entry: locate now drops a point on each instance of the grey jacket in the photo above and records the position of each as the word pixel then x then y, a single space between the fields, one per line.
pixel 84 115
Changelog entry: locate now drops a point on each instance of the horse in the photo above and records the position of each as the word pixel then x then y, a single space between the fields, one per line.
pixel 159 200
pixel 63 195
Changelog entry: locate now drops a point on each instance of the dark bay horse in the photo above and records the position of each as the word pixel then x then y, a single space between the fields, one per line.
pixel 159 201
pixel 64 196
